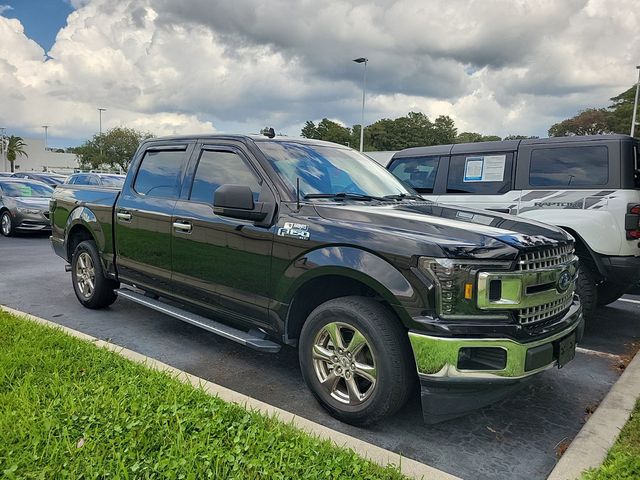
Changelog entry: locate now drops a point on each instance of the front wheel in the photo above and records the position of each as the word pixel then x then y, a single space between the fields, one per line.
pixel 356 358
pixel 6 224
pixel 92 288
pixel 609 292
pixel 587 290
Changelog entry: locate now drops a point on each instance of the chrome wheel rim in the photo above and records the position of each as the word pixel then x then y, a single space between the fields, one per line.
pixel 344 363
pixel 85 275
pixel 6 224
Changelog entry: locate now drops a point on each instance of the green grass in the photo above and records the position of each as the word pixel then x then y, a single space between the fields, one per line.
pixel 71 410
pixel 623 460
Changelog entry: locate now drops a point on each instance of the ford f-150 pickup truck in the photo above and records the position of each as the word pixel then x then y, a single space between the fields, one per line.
pixel 277 241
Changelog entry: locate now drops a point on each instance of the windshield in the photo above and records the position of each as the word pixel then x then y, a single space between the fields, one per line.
pixel 25 189
pixel 330 170
pixel 112 180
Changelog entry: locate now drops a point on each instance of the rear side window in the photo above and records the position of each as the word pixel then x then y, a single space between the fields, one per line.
pixel 216 168
pixel 159 173
pixel 484 174
pixel 568 167
pixel 419 173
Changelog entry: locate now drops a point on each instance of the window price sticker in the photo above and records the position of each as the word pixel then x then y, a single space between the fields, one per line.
pixel 489 168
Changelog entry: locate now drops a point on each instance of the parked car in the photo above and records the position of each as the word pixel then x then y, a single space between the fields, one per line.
pixel 271 241
pixel 5 174
pixel 103 179
pixel 24 205
pixel 51 179
pixel 587 185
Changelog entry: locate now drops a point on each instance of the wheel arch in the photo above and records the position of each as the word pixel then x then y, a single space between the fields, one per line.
pixel 81 225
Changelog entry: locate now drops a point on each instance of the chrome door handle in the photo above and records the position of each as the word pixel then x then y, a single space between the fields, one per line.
pixel 184 227
pixel 124 216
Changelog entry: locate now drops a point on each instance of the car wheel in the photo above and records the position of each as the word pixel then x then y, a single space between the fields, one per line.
pixel 587 290
pixel 356 358
pixel 92 288
pixel 609 292
pixel 6 224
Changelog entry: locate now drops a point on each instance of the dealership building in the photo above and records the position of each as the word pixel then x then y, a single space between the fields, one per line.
pixel 40 159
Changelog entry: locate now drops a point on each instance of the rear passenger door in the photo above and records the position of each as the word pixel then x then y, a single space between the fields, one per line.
pixel 482 180
pixel 222 263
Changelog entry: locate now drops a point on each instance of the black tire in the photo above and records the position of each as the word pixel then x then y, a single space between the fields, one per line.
pixel 609 292
pixel 387 348
pixel 6 224
pixel 587 290
pixel 102 294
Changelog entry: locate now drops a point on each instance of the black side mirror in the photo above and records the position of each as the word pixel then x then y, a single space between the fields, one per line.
pixel 236 201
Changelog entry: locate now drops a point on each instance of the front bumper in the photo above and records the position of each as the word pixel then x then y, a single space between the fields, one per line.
pixel 31 221
pixel 450 388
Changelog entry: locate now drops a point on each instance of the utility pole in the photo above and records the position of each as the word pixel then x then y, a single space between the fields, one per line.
pixel 635 105
pixel 46 128
pixel 100 110
pixel 364 88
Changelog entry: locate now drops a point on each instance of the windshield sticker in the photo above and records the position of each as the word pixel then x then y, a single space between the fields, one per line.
pixel 25 190
pixel 489 168
pixel 294 230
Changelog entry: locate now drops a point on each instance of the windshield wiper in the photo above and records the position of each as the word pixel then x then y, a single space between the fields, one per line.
pixel 344 195
pixel 403 196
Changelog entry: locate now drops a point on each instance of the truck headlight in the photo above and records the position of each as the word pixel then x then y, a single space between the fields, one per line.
pixel 456 283
pixel 29 211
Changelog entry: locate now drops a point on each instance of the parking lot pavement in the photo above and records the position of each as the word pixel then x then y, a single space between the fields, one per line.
pixel 514 439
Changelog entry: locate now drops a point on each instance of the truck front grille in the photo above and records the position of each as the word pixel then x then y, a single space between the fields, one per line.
pixel 539 313
pixel 545 258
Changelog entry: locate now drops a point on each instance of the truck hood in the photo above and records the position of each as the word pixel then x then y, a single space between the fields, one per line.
pixel 460 232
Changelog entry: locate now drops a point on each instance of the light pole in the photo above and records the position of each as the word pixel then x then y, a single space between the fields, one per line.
pixel 46 128
pixel 364 88
pixel 100 110
pixel 635 104
pixel 2 149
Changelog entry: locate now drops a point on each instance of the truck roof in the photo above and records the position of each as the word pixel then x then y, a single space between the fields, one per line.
pixel 478 147
pixel 244 138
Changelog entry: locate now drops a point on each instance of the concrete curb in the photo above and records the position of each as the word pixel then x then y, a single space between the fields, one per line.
pixel 597 436
pixel 378 455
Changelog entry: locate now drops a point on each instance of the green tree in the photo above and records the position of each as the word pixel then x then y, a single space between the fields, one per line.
pixel 310 130
pixel 519 137
pixel 621 112
pixel 333 132
pixel 592 121
pixel 445 130
pixel 110 150
pixel 15 149
pixel 474 137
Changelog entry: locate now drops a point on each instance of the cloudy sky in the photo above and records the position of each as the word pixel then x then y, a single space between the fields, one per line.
pixel 496 66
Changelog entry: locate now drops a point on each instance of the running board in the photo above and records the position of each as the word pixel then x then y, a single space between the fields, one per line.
pixel 253 339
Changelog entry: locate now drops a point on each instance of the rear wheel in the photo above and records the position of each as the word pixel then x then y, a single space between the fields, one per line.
pixel 92 288
pixel 609 292
pixel 356 358
pixel 6 224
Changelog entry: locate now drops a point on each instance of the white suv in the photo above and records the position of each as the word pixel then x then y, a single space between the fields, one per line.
pixel 587 185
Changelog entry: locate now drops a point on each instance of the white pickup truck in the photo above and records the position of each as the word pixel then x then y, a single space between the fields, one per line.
pixel 587 185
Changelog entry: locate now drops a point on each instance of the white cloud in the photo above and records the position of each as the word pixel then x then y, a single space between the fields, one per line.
pixel 495 66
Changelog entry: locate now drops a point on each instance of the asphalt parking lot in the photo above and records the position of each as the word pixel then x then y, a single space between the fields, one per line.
pixel 517 438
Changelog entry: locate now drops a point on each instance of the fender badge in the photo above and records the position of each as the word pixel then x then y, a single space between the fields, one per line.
pixel 294 230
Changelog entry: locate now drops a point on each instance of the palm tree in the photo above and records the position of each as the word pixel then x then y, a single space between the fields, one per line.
pixel 15 148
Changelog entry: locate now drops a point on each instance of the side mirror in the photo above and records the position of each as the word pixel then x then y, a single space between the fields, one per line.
pixel 236 201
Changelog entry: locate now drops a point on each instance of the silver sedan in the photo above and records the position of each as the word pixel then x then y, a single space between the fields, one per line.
pixel 24 205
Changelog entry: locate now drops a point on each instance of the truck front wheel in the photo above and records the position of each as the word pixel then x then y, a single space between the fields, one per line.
pixel 587 290
pixel 609 292
pixel 92 288
pixel 356 358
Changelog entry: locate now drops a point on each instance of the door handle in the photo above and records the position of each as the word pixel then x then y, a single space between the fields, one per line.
pixel 182 227
pixel 124 216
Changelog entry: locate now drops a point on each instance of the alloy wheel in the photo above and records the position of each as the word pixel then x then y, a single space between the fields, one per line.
pixel 85 275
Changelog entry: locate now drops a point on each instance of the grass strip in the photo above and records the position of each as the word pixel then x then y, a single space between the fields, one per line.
pixel 623 460
pixel 71 410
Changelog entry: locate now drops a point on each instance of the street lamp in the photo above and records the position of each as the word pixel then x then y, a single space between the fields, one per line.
pixel 3 149
pixel 46 128
pixel 100 110
pixel 635 104
pixel 364 88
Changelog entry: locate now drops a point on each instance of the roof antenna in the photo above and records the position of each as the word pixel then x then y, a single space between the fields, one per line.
pixel 268 132
pixel 298 193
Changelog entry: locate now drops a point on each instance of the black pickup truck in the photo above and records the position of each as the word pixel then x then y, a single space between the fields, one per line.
pixel 276 241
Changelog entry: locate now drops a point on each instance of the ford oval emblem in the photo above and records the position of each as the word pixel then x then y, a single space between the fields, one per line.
pixel 564 281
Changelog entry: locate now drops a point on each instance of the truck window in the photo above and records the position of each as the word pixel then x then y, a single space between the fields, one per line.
pixel 567 167
pixel 159 173
pixel 419 173
pixel 483 173
pixel 217 168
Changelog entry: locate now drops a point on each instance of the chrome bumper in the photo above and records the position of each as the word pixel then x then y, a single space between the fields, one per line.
pixel 437 358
